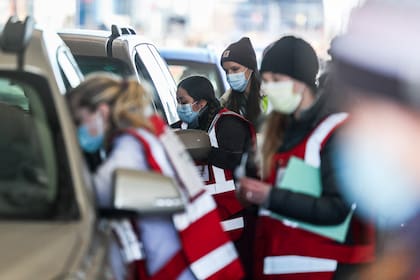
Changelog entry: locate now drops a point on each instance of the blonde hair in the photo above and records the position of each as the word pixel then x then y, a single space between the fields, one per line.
pixel 127 99
pixel 273 135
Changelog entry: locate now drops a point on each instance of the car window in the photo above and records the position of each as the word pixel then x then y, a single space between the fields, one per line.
pixel 89 64
pixel 165 70
pixel 148 63
pixel 182 69
pixel 30 170
pixel 145 78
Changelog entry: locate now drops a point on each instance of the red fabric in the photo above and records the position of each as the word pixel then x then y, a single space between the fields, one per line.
pixel 201 227
pixel 227 204
pixel 196 239
pixel 149 156
pixel 273 238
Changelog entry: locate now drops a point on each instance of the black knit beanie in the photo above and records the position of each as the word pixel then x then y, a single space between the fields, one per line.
pixel 198 87
pixel 293 57
pixel 240 52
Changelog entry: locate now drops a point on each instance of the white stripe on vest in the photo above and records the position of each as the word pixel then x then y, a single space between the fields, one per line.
pixel 297 264
pixel 313 145
pixel 194 211
pixel 218 259
pixel 221 185
pixel 302 264
pixel 233 224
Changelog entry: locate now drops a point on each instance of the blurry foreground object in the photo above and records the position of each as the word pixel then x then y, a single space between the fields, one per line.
pixel 377 70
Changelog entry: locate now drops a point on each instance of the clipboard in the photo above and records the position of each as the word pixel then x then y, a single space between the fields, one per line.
pixel 304 178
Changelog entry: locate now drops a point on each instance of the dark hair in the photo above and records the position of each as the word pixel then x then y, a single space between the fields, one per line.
pixel 199 87
pixel 253 100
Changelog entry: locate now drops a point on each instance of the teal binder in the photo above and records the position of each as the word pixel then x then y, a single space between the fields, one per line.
pixel 304 178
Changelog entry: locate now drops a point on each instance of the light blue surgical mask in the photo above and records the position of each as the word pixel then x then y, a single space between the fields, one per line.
pixel 371 177
pixel 89 143
pixel 187 114
pixel 92 143
pixel 237 81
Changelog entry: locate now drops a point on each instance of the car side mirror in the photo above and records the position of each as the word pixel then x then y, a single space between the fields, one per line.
pixel 196 142
pixel 146 192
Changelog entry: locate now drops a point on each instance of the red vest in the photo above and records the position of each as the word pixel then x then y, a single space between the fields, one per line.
pixel 287 252
pixel 205 248
pixel 219 183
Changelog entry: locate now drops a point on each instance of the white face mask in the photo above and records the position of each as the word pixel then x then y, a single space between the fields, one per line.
pixel 281 96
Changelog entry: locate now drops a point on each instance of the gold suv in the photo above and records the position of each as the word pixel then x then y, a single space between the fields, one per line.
pixel 49 225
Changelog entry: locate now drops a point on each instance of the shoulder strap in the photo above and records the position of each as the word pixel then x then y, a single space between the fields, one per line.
pixel 226 112
pixel 319 136
pixel 147 149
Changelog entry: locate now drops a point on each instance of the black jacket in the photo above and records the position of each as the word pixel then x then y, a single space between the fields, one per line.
pixel 330 208
pixel 233 136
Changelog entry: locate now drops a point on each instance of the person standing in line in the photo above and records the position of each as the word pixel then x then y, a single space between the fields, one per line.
pixel 377 69
pixel 300 127
pixel 116 114
pixel 240 64
pixel 231 135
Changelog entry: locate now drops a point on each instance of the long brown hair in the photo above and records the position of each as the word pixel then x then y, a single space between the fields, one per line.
pixel 127 99
pixel 273 135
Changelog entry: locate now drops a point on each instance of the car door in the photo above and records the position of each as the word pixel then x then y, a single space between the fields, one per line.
pixel 47 211
pixel 164 96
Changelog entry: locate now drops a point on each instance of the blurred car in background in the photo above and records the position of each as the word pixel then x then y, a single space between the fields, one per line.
pixel 50 227
pixel 123 52
pixel 196 61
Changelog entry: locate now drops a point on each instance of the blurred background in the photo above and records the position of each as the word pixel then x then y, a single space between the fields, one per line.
pixel 213 24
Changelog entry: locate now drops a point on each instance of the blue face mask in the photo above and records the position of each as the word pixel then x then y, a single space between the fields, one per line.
pixel 237 81
pixel 89 143
pixel 372 178
pixel 187 114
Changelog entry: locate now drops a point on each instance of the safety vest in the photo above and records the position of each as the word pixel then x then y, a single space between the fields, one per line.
pixel 283 251
pixel 205 247
pixel 220 184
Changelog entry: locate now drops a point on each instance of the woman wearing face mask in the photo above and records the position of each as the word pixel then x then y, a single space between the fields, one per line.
pixel 300 126
pixel 230 136
pixel 240 64
pixel 116 114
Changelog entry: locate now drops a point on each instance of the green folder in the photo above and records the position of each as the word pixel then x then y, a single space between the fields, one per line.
pixel 304 178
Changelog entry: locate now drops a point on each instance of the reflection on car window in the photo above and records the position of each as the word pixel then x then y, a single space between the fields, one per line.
pixel 146 79
pixel 183 69
pixel 28 170
pixel 89 64
pixel 160 82
pixel 71 74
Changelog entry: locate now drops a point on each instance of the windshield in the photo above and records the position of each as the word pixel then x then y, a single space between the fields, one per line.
pixel 181 69
pixel 30 174
pixel 89 64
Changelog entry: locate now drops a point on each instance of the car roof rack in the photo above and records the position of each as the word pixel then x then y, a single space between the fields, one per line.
pixel 116 32
pixel 128 30
pixel 16 36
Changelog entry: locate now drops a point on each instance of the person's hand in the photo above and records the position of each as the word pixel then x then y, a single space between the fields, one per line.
pixel 253 191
